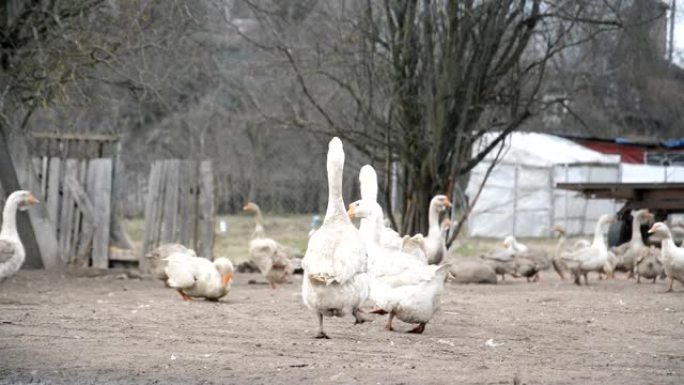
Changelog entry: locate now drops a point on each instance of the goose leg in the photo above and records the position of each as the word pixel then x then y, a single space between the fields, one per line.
pixel 184 296
pixel 273 285
pixel 321 333
pixel 358 318
pixel 669 289
pixel 654 279
pixel 586 278
pixel 418 329
pixel 638 278
pixel 388 326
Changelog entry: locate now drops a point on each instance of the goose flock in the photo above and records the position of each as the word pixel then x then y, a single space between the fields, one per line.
pixel 347 269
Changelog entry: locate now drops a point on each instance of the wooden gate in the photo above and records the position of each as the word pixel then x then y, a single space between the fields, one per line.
pixel 75 180
pixel 180 206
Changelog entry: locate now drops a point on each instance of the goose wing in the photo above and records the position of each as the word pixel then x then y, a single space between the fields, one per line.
pixel 180 271
pixel 7 249
pixel 334 255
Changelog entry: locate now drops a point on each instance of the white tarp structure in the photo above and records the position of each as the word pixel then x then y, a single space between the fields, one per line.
pixel 520 197
pixel 644 173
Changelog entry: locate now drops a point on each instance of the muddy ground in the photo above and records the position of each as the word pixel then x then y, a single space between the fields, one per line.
pixel 60 329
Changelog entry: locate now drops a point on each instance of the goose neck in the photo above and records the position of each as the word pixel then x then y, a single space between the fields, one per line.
pixel 598 234
pixel 9 221
pixel 636 230
pixel 335 166
pixel 433 221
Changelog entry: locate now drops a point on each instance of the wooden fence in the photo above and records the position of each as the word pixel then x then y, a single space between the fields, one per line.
pixel 180 206
pixel 77 194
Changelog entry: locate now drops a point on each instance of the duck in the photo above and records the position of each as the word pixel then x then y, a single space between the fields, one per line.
pixel 12 252
pixel 335 280
pixel 671 255
pixel 268 255
pixel 158 258
pixel 592 258
pixel 402 286
pixel 649 265
pixel 628 252
pixel 199 277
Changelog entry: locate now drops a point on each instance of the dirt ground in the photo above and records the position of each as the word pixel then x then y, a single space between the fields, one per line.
pixel 60 329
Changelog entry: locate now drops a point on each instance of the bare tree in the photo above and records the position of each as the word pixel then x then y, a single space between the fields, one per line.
pixel 420 82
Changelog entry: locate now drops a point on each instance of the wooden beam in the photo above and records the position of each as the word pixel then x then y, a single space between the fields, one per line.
pixel 205 247
pixel 99 190
pixel 75 136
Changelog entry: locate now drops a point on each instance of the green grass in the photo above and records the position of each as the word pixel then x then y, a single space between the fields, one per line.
pixel 292 231
pixel 289 230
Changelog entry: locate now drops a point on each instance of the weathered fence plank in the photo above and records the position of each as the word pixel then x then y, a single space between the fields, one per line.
pixel 170 204
pixel 67 218
pixel 180 207
pixel 185 188
pixel 86 217
pixel 205 239
pixel 99 190
pixel 52 197
pixel 153 195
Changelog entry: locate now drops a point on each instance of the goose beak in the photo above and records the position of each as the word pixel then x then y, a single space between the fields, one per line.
pixel 32 200
pixel 651 230
pixel 648 215
pixel 351 212
pixel 226 279
pixel 448 203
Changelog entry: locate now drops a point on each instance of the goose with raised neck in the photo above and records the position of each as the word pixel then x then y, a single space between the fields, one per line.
pixel 401 285
pixel 592 258
pixel 269 256
pixel 12 253
pixel 335 281
pixel 435 244
pixel 631 251
pixel 672 256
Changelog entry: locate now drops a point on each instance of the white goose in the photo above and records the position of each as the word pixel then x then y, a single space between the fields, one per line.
pixel 562 247
pixel 390 239
pixel 267 254
pixel 199 277
pixel 159 257
pixel 12 253
pixel 335 279
pixel 435 244
pixel 400 284
pixel 629 252
pixel 512 244
pixel 592 258
pixel 671 255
